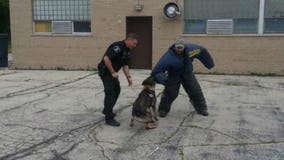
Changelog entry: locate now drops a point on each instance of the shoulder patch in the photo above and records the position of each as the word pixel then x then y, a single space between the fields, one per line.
pixel 116 49
pixel 194 52
pixel 151 95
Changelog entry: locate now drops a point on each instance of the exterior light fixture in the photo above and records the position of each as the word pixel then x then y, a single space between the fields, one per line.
pixel 138 7
pixel 171 10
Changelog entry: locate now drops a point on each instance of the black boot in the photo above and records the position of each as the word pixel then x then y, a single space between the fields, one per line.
pixel 111 121
pixel 203 112
pixel 163 113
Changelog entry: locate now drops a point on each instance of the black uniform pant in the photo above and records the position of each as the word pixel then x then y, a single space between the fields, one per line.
pixel 112 91
pixel 191 87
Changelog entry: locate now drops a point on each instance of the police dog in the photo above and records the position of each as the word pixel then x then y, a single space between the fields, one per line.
pixel 144 107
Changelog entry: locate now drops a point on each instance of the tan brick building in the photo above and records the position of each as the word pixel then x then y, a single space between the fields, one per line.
pixel 74 34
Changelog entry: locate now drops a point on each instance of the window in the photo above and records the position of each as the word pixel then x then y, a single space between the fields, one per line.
pixel 195 26
pixel 62 16
pixel 42 26
pixel 245 25
pixel 245 14
pixel 274 16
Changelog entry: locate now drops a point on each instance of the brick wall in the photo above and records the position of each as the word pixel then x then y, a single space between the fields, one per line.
pixel 232 54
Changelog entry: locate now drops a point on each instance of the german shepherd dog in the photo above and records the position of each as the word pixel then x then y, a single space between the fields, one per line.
pixel 144 107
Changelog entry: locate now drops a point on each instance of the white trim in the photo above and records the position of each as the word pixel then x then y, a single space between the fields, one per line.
pixel 43 34
pixel 261 16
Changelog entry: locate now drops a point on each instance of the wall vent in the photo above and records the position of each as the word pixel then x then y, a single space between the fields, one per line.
pixel 220 26
pixel 62 27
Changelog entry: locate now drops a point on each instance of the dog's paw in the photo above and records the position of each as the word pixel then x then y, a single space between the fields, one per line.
pixel 150 126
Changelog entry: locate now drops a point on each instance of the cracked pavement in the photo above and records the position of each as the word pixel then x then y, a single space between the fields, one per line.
pixel 56 115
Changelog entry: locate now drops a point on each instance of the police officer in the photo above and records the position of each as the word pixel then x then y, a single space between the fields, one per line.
pixel 175 68
pixel 115 57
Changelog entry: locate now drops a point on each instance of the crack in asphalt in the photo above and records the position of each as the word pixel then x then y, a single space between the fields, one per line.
pixel 237 144
pixel 256 84
pixel 214 130
pixel 190 115
pixel 27 151
pixel 57 156
pixel 60 156
pixel 25 91
pixel 18 154
pixel 22 92
pixel 27 126
pixel 181 153
pixel 93 136
pixel 24 104
pixel 9 73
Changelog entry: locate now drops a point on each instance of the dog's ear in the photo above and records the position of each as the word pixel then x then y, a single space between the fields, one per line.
pixel 149 81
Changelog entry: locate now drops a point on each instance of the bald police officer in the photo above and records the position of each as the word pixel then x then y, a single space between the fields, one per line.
pixel 115 57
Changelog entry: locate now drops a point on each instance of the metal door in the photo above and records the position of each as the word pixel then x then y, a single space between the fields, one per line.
pixel 141 56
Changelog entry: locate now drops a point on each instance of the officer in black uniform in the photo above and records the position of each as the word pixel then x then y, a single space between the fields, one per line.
pixel 115 57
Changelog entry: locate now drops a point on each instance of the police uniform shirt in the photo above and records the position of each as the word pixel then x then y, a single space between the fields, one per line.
pixel 118 54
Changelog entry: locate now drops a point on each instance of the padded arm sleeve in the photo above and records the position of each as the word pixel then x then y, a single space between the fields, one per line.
pixel 206 59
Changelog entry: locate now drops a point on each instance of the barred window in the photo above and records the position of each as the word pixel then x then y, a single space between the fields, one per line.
pixel 55 16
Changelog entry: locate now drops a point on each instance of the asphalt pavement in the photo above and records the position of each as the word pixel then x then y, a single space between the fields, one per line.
pixel 56 115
